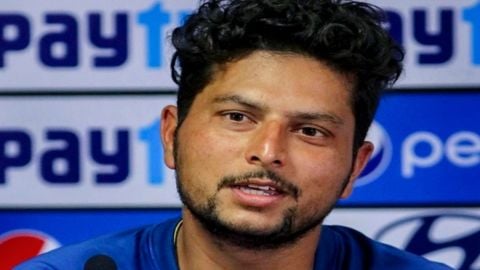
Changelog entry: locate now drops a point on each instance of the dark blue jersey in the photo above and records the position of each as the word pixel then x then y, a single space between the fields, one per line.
pixel 153 248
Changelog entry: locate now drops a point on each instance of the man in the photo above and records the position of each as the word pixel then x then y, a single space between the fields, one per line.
pixel 275 99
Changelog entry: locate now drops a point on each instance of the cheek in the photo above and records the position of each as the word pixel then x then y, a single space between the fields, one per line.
pixel 324 173
pixel 207 156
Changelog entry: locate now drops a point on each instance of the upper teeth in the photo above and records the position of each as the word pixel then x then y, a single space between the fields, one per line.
pixel 265 188
pixel 258 190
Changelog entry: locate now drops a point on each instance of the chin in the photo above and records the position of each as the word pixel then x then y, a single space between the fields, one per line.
pixel 254 222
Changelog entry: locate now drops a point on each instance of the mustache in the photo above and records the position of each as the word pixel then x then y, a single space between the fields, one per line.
pixel 285 185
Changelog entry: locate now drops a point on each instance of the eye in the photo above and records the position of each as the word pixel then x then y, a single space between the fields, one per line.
pixel 236 120
pixel 236 116
pixel 311 132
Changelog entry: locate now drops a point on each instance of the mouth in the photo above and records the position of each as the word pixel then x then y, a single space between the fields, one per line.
pixel 258 193
pixel 259 190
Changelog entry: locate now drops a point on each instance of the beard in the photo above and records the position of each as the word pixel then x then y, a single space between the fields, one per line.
pixel 293 225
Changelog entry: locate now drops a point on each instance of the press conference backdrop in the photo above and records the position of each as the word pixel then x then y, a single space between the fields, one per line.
pixel 82 85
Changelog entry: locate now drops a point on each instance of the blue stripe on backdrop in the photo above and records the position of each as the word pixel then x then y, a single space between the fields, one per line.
pixel 428 151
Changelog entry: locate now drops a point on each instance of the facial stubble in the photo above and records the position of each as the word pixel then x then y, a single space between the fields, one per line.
pixel 286 233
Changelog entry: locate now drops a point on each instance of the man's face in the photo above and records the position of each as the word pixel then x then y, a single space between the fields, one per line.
pixel 266 148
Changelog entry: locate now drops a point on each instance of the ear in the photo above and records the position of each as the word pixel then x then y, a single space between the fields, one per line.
pixel 361 160
pixel 167 131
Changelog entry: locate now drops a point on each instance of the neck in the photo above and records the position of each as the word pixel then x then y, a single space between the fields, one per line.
pixel 197 248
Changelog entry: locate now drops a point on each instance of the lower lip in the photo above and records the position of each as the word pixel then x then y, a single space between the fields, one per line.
pixel 253 200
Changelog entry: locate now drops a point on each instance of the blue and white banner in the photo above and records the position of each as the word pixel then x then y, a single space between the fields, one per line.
pixel 99 152
pixel 447 235
pixel 67 45
pixel 441 39
pixel 84 151
pixel 25 234
pixel 451 236
pixel 102 45
pixel 427 151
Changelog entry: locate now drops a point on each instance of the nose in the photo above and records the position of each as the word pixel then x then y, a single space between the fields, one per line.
pixel 267 146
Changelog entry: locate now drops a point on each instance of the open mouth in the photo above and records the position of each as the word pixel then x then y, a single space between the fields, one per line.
pixel 259 193
pixel 259 187
pixel 260 190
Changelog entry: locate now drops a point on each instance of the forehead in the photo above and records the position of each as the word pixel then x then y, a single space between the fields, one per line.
pixel 270 76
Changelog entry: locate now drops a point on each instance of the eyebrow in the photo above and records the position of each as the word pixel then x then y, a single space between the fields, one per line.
pixel 316 116
pixel 240 100
pixel 298 115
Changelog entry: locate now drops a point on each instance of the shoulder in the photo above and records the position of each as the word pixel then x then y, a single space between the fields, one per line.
pixel 121 248
pixel 353 249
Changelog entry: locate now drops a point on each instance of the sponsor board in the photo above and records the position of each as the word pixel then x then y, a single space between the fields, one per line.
pixel 427 151
pixel 105 151
pixel 450 236
pixel 60 45
pixel 101 151
pixel 25 234
pixel 19 245
pixel 441 39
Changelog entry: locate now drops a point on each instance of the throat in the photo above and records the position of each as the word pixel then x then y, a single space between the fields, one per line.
pixel 198 248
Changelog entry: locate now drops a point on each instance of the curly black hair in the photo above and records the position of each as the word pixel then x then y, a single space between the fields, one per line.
pixel 346 35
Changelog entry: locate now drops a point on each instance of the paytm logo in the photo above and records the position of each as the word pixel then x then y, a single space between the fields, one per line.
pixel 60 158
pixel 429 32
pixel 434 29
pixel 381 155
pixel 59 36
